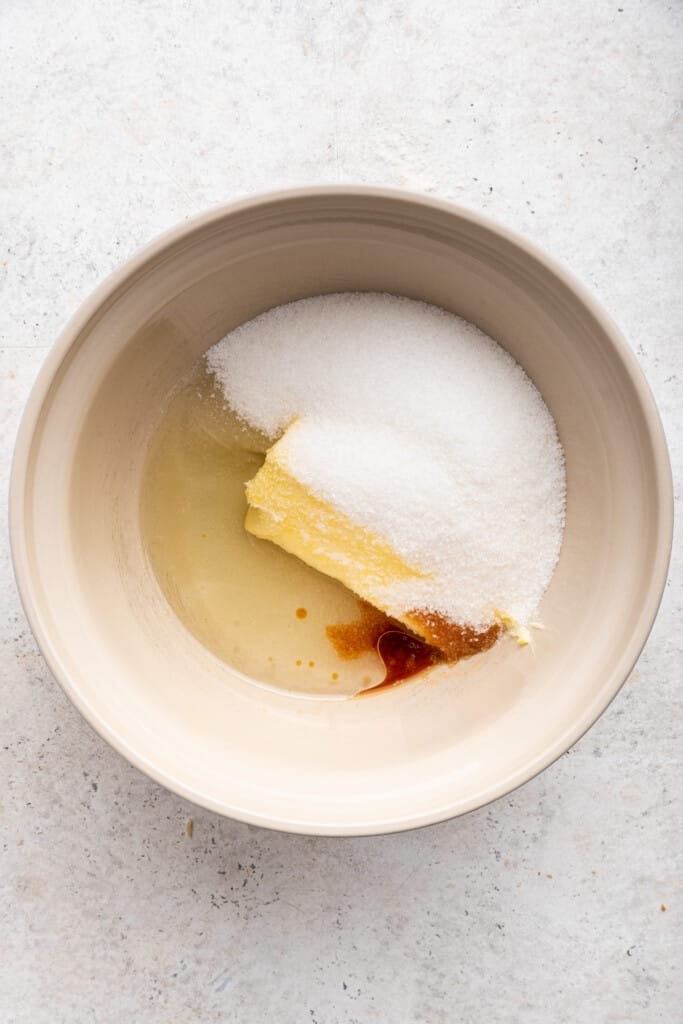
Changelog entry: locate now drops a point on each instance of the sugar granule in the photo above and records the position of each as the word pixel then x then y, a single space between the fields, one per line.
pixel 418 427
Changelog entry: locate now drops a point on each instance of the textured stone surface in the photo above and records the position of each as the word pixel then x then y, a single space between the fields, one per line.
pixel 562 120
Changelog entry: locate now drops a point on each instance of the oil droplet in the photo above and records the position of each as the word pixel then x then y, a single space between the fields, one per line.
pixel 298 661
pixel 335 675
pixel 301 613
pixel 311 664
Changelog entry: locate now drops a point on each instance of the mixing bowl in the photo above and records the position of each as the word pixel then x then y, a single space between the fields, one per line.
pixel 425 750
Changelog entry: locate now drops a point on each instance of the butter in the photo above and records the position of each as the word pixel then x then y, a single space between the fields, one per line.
pixel 513 628
pixel 284 511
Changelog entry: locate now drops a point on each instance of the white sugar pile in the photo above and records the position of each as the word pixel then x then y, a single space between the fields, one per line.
pixel 418 427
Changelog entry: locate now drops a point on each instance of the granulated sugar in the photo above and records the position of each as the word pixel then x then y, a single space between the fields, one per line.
pixel 421 429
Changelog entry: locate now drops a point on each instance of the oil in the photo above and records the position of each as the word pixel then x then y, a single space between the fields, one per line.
pixel 241 597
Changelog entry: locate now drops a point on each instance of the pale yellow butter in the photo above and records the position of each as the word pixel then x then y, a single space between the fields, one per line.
pixel 282 510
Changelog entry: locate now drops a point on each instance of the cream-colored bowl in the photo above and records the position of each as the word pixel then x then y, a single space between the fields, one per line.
pixel 425 750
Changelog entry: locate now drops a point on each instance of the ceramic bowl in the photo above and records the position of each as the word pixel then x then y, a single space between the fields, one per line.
pixel 423 751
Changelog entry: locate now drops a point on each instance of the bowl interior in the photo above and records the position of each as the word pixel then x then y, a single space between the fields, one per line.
pixel 423 750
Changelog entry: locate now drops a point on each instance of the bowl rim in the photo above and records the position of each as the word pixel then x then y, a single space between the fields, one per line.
pixel 90 307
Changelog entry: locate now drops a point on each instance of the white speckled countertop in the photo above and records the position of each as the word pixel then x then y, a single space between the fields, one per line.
pixel 561 903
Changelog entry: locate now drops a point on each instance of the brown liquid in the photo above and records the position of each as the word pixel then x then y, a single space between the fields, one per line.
pixel 455 640
pixel 351 639
pixel 403 653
